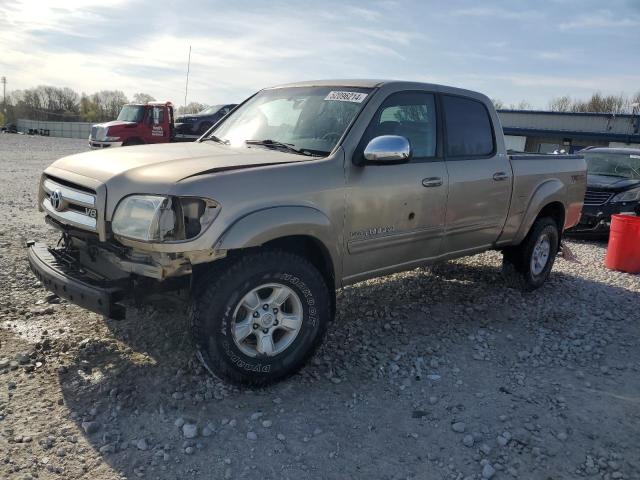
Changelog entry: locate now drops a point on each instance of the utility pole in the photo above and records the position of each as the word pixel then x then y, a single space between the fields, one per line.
pixel 3 80
pixel 186 87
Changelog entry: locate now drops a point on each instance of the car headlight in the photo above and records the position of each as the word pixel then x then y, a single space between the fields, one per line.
pixel 154 218
pixel 632 195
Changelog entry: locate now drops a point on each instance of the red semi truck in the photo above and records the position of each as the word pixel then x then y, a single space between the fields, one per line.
pixel 137 124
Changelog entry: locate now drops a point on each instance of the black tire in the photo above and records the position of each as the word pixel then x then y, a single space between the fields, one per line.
pixel 517 261
pixel 203 128
pixel 221 289
pixel 133 141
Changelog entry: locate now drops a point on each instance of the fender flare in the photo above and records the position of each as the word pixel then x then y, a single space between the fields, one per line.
pixel 549 191
pixel 261 226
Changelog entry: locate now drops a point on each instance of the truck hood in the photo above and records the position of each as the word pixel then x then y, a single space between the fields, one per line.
pixel 115 123
pixel 168 163
pixel 606 182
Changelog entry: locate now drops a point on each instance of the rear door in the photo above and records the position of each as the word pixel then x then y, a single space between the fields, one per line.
pixel 479 177
pixel 395 213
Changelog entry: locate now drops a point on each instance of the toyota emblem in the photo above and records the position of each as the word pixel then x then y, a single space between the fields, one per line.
pixel 56 200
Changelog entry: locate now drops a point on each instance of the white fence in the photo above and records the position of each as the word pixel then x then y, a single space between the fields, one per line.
pixel 56 129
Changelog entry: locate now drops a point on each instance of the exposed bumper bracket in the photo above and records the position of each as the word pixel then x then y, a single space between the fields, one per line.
pixel 59 274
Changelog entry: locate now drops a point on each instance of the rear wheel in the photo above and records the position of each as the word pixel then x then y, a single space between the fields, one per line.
pixel 260 318
pixel 528 265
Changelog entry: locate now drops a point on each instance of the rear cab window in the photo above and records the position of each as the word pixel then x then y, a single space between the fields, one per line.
pixel 469 131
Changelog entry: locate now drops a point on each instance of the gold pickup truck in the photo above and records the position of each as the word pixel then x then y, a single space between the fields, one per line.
pixel 301 190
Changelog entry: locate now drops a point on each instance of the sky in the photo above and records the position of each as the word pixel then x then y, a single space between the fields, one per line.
pixel 514 50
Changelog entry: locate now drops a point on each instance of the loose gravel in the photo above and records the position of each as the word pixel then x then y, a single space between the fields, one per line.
pixel 439 373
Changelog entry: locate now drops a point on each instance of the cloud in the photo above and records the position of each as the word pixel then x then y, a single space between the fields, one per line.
pixel 235 52
pixel 568 83
pixel 508 50
pixel 496 12
pixel 600 19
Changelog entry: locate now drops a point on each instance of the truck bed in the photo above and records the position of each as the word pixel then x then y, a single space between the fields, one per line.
pixel 542 156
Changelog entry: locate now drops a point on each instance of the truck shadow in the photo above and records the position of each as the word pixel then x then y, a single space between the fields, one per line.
pixel 136 383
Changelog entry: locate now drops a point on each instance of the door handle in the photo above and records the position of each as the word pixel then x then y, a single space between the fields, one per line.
pixel 431 182
pixel 499 176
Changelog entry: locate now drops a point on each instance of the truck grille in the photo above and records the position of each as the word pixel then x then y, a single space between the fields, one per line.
pixel 70 204
pixel 596 197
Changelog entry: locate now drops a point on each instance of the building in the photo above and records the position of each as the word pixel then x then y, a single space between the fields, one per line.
pixel 544 132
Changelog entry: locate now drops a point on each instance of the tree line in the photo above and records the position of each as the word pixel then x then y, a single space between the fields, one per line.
pixel 47 103
pixel 597 103
pixel 64 104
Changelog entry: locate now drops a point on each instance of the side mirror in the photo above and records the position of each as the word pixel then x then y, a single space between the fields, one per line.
pixel 388 149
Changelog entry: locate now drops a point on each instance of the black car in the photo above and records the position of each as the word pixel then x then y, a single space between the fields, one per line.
pixel 613 186
pixel 198 123
pixel 9 128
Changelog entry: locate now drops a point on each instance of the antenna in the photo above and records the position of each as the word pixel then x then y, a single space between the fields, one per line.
pixel 186 87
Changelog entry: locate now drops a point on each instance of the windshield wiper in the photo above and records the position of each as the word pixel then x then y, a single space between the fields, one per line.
pixel 609 175
pixel 213 138
pixel 279 145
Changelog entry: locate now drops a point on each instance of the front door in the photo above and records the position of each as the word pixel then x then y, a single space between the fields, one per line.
pixel 159 131
pixel 479 177
pixel 395 213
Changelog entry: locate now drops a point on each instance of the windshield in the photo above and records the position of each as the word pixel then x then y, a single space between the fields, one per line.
pixel 211 110
pixel 131 113
pixel 310 119
pixel 622 165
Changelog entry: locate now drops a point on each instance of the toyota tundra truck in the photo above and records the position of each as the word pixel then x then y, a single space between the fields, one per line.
pixel 301 190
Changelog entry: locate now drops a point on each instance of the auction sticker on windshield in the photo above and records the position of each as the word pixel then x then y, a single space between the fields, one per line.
pixel 355 97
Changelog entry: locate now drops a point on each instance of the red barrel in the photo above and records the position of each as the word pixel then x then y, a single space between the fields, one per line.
pixel 624 244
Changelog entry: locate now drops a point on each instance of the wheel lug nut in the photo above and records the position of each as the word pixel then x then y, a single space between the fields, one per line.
pixel 256 314
pixel 255 326
pixel 275 322
pixel 275 310
pixel 265 307
pixel 265 330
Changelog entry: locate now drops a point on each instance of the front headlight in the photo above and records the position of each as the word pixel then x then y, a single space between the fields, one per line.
pixel 632 195
pixel 154 218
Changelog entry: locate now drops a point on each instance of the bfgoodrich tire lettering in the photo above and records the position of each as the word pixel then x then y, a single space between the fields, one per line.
pixel 216 301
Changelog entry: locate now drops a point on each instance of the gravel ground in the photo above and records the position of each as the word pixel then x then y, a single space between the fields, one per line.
pixel 440 373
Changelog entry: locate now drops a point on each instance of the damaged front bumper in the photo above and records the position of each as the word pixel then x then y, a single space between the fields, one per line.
pixel 61 274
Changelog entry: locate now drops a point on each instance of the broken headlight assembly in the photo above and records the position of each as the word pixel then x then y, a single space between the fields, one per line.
pixel 155 218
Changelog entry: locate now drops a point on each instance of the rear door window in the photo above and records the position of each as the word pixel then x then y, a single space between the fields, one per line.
pixel 468 128
pixel 411 115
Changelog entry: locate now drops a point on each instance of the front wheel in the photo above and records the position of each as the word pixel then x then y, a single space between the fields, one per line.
pixel 529 264
pixel 260 318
